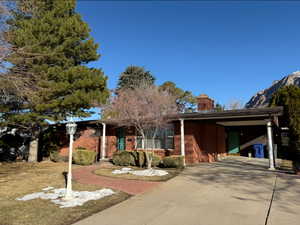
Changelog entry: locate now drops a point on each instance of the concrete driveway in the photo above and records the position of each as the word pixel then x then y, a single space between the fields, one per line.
pixel 232 192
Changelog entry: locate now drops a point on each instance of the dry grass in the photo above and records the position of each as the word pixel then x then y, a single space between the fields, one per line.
pixel 108 173
pixel 19 179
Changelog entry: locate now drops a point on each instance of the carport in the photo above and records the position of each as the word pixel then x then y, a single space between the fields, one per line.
pixel 255 125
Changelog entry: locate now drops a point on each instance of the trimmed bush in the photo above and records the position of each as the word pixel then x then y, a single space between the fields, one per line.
pixel 139 158
pixel 174 161
pixel 156 160
pixel 134 158
pixel 56 157
pixel 84 157
pixel 123 158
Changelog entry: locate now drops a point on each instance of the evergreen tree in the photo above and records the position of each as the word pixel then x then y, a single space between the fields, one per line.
pixel 135 77
pixel 289 98
pixel 49 45
pixel 219 107
pixel 185 100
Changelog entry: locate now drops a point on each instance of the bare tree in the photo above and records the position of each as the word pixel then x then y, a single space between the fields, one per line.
pixel 235 104
pixel 145 108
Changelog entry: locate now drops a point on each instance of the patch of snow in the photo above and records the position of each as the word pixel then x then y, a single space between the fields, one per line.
pixel 147 172
pixel 31 196
pixel 79 197
pixel 122 171
pixel 48 188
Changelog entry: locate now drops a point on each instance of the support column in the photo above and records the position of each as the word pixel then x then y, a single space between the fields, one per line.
pixel 270 146
pixel 103 143
pixel 182 144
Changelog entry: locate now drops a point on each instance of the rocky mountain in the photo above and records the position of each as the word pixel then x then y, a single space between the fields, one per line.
pixel 262 98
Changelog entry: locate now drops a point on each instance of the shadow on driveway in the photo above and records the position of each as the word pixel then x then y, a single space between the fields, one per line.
pixel 248 177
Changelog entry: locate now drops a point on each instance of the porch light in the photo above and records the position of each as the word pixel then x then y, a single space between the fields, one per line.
pixel 71 128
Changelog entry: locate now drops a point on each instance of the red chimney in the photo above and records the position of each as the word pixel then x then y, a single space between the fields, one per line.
pixel 205 103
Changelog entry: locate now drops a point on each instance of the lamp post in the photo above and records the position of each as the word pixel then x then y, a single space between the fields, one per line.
pixel 71 129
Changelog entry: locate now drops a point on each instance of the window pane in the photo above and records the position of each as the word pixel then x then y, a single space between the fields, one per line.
pixel 170 143
pixel 139 142
pixel 158 143
pixel 164 139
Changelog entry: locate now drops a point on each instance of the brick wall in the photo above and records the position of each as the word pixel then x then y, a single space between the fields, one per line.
pixel 204 141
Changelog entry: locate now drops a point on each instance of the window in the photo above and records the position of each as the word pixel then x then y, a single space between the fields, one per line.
pixel 164 139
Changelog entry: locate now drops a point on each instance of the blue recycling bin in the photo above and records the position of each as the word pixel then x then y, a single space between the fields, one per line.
pixel 259 150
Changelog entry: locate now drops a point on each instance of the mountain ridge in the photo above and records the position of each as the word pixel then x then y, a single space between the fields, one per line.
pixel 262 98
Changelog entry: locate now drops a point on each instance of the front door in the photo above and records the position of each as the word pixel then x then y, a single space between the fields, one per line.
pixel 233 142
pixel 121 138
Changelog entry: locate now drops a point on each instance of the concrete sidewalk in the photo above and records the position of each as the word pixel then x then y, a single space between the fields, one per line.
pixel 232 192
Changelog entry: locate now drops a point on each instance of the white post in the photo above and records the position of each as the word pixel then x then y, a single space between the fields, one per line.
pixel 270 146
pixel 182 144
pixel 143 144
pixel 69 181
pixel 103 141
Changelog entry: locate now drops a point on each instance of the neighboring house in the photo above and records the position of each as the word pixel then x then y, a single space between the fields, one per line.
pixel 203 136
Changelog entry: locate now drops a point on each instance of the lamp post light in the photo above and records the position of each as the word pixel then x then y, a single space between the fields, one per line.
pixel 71 129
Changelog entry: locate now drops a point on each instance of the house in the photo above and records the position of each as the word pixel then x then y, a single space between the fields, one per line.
pixel 202 136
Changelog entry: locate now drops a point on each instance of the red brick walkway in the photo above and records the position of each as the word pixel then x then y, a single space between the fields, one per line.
pixel 85 175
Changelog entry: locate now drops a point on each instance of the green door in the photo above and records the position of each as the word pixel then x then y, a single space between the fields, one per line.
pixel 121 138
pixel 233 142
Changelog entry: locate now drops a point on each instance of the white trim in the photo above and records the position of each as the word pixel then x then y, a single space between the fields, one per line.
pixel 182 144
pixel 270 146
pixel 103 143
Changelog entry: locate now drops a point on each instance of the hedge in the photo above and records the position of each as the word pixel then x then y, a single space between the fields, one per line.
pixel 174 161
pixel 123 158
pixel 84 157
pixel 56 157
pixel 134 158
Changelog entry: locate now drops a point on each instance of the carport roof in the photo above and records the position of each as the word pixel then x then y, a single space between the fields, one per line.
pixel 234 114
pixel 241 114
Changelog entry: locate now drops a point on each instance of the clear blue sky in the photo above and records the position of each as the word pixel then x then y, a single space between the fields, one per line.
pixel 228 50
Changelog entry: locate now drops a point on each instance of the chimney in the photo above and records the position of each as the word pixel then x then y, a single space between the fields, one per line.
pixel 205 103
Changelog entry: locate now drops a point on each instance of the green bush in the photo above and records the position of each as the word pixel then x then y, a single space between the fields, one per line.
pixel 139 158
pixel 173 161
pixel 84 157
pixel 134 158
pixel 123 158
pixel 156 160
pixel 50 141
pixel 56 157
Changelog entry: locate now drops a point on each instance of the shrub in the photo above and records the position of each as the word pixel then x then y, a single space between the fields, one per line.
pixel 84 157
pixel 173 161
pixel 134 158
pixel 139 158
pixel 56 157
pixel 49 141
pixel 156 160
pixel 123 158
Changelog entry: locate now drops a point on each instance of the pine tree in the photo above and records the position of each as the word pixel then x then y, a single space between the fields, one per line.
pixel 49 47
pixel 135 77
pixel 289 98
pixel 185 100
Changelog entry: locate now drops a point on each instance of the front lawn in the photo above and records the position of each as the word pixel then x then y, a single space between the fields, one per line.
pixel 19 179
pixel 108 173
